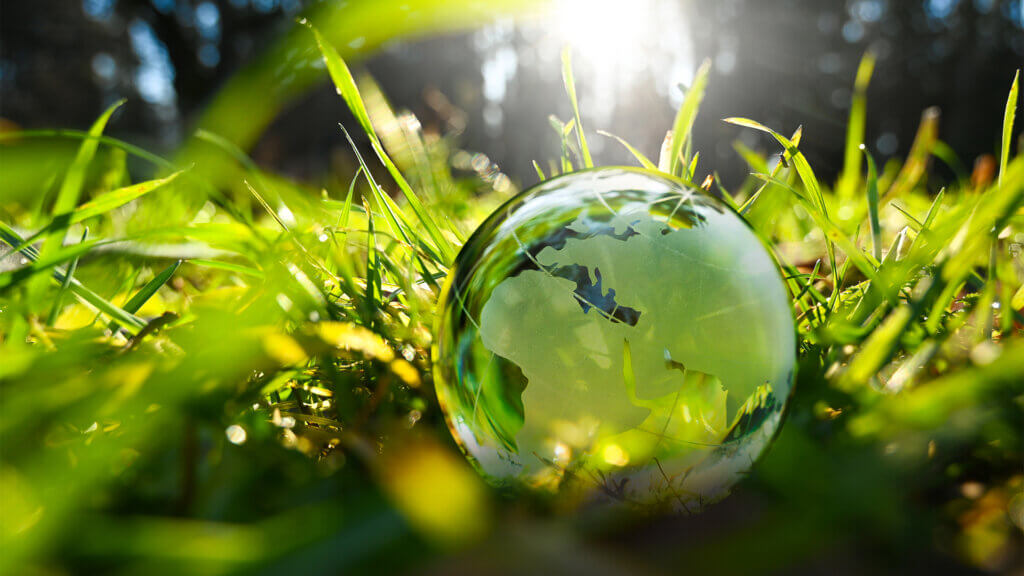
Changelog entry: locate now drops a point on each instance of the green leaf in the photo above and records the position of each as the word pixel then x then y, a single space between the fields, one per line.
pixel 643 160
pixel 71 188
pixel 1008 118
pixel 347 89
pixel 570 89
pixel 133 323
pixel 876 229
pixel 58 302
pixel 855 127
pixel 686 116
pixel 540 173
pixel 103 204
pixel 146 292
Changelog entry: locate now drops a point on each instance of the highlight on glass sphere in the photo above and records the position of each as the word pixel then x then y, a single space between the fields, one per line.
pixel 613 335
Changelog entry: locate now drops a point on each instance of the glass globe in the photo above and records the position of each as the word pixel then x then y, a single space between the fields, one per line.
pixel 614 335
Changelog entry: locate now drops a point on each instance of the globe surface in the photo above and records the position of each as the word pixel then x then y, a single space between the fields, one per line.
pixel 613 335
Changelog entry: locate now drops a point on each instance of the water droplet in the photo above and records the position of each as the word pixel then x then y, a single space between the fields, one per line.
pixel 236 434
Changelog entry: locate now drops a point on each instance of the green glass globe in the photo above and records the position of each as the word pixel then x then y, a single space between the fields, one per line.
pixel 614 335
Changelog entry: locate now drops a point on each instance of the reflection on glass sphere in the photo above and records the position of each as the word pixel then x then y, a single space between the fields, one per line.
pixel 614 335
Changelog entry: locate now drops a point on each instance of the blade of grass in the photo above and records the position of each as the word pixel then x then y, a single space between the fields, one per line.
pixel 917 161
pixel 12 238
pixel 749 203
pixel 876 229
pixel 346 211
pixel 643 160
pixel 102 204
pixel 855 127
pixel 1008 117
pixel 71 188
pixel 570 89
pixel 347 89
pixel 146 292
pixel 58 302
pixel 540 173
pixel 810 182
pixel 685 117
pixel 831 231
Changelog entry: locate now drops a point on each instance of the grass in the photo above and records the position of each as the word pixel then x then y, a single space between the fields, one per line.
pixel 303 315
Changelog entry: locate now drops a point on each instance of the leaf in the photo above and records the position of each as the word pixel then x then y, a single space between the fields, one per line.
pixel 146 292
pixel 347 89
pixel 855 128
pixel 876 230
pixel 71 188
pixel 58 302
pixel 570 89
pixel 103 204
pixel 1008 118
pixel 686 116
pixel 8 235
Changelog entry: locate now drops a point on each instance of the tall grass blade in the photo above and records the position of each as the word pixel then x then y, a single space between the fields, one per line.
pixel 146 292
pixel 855 128
pixel 876 229
pixel 58 302
pixel 12 238
pixel 685 117
pixel 643 160
pixel 1008 118
pixel 570 89
pixel 347 89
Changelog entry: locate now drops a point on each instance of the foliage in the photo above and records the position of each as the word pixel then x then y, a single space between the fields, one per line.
pixel 243 383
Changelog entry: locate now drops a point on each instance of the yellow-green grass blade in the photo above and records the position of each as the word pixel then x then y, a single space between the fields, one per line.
pixel 1008 117
pixel 58 301
pixel 347 89
pixel 643 160
pixel 686 116
pixel 876 229
pixel 101 205
pixel 71 188
pixel 850 176
pixel 570 90
pixel 130 321
pixel 146 292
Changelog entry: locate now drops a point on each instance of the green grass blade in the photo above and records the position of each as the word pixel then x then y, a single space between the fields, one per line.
pixel 685 117
pixel 855 128
pixel 832 232
pixel 103 204
pixel 345 84
pixel 570 89
pixel 12 238
pixel 876 229
pixel 540 173
pixel 813 187
pixel 71 188
pixel 146 292
pixel 643 160
pixel 346 211
pixel 1008 118
pixel 58 302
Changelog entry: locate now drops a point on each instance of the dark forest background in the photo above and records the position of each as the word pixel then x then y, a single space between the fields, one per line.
pixel 62 62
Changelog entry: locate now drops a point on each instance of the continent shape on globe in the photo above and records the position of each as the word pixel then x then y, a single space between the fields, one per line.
pixel 637 293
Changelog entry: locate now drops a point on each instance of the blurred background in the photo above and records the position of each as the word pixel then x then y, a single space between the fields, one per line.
pixel 495 80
